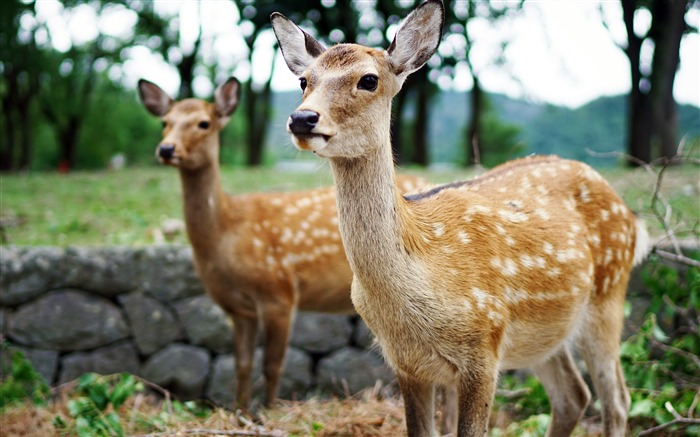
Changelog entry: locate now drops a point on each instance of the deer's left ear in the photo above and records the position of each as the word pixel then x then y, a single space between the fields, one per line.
pixel 417 39
pixel 299 49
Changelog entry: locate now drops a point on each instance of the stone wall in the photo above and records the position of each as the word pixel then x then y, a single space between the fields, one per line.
pixel 143 311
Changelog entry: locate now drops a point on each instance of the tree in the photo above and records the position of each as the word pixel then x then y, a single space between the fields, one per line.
pixel 336 19
pixel 457 19
pixel 21 65
pixel 653 120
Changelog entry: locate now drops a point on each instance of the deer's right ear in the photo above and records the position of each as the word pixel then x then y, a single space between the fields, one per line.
pixel 299 49
pixel 154 98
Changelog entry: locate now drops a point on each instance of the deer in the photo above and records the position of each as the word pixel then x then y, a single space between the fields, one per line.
pixel 516 268
pixel 260 256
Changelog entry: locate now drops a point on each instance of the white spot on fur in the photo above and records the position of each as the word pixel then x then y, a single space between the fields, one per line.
pixel 543 214
pixel 585 192
pixel 438 229
pixel 605 215
pixel 515 217
pixel 463 237
pixel 548 248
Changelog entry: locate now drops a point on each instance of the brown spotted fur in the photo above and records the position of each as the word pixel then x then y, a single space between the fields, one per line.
pixel 513 269
pixel 260 256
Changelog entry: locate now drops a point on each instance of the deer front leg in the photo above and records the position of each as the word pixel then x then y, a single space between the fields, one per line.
pixel 448 422
pixel 419 401
pixel 245 332
pixel 476 393
pixel 277 322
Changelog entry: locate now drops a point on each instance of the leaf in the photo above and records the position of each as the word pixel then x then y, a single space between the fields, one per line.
pixel 642 408
pixel 659 334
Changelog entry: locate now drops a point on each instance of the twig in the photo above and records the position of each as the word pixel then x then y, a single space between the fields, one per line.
pixel 681 352
pixel 679 421
pixel 682 259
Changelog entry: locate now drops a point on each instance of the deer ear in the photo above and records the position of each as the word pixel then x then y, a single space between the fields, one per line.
pixel 299 49
pixel 154 98
pixel 226 97
pixel 417 39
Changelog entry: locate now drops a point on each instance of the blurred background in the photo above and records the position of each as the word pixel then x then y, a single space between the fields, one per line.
pixel 510 78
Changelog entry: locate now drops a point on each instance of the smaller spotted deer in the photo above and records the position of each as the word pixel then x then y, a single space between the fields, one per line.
pixel 513 269
pixel 260 256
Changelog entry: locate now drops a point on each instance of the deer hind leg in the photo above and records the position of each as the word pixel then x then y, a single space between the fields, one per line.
pixel 448 419
pixel 567 392
pixel 418 398
pixel 277 322
pixel 245 333
pixel 600 347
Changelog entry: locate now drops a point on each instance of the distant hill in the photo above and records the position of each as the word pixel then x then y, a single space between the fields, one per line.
pixel 600 125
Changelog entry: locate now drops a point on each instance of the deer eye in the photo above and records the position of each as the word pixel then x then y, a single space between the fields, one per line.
pixel 302 83
pixel 368 82
pixel 203 125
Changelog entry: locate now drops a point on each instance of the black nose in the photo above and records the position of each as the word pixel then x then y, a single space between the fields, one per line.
pixel 166 151
pixel 303 122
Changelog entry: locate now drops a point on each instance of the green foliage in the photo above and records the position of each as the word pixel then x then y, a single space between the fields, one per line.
pixel 661 365
pixel 20 381
pixel 95 410
pixel 499 141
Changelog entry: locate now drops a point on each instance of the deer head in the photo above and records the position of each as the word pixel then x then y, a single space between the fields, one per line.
pixel 190 127
pixel 347 89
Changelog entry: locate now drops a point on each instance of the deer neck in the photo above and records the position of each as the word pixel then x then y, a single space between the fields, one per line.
pixel 203 206
pixel 371 214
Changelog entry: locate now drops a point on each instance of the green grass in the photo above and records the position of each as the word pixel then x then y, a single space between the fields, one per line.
pixel 124 207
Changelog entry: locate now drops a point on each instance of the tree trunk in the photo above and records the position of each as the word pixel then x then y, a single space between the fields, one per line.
pixel 396 125
pixel 667 30
pixel 639 129
pixel 473 137
pixel 420 127
pixel 258 108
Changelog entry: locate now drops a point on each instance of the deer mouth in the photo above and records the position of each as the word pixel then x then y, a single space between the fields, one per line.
pixel 310 141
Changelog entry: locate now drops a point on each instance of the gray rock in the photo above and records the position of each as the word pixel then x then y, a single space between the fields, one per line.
pixel 45 362
pixel 67 320
pixel 153 324
pixel 321 333
pixel 363 336
pixel 117 358
pixel 108 271
pixel 295 382
pixel 27 272
pixel 167 272
pixel 350 370
pixel 179 368
pixel 205 323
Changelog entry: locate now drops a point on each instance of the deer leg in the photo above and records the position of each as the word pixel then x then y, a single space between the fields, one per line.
pixel 448 421
pixel 476 393
pixel 600 348
pixel 245 333
pixel 419 402
pixel 277 321
pixel 568 393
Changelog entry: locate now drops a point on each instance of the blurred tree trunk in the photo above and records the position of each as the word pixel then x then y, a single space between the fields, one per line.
pixel 652 112
pixel 420 127
pixel 473 140
pixel 667 30
pixel 258 108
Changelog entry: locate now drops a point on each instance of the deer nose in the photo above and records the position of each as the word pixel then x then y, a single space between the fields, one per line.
pixel 166 151
pixel 303 122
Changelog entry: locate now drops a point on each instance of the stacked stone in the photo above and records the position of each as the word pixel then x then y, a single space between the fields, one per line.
pixel 144 311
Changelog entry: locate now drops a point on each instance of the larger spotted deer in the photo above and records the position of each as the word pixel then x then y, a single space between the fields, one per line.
pixel 260 256
pixel 509 270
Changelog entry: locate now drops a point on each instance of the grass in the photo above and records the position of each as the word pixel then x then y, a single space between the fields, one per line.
pixel 128 207
pixel 366 414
